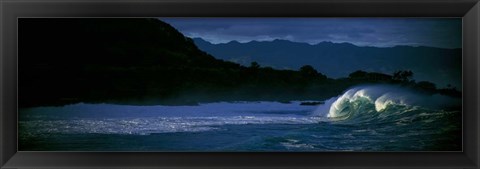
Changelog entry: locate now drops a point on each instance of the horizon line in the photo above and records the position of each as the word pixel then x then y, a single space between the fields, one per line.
pixel 313 44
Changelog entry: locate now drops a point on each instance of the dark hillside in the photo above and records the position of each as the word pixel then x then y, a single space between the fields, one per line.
pixel 147 61
pixel 70 60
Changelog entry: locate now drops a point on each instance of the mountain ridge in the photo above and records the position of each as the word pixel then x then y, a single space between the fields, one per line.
pixel 199 39
pixel 344 57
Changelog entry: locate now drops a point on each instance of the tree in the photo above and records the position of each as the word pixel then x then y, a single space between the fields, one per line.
pixel 404 76
pixel 308 71
pixel 428 86
pixel 358 74
pixel 254 65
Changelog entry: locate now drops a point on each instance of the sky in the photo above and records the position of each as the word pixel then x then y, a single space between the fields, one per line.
pixel 378 32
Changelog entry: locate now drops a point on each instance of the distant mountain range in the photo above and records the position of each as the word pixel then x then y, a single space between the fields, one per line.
pixel 441 66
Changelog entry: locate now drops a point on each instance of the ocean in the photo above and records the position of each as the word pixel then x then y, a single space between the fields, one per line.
pixel 364 118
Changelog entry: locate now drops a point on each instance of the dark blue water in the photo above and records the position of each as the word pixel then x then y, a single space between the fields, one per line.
pixel 362 119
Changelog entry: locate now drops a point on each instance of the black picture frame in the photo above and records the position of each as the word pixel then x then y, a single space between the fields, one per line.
pixel 10 10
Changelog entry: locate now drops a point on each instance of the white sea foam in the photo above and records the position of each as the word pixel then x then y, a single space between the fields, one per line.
pixel 381 96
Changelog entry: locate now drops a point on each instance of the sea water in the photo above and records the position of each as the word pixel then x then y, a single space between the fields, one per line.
pixel 365 118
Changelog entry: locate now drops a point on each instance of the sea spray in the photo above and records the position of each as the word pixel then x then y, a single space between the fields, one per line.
pixel 377 98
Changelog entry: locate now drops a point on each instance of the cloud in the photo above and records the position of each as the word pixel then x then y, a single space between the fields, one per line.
pixel 382 32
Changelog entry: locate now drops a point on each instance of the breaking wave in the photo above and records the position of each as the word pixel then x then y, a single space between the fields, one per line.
pixel 384 102
pixel 377 103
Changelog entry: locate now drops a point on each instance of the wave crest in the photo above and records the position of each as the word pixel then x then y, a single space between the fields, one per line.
pixel 364 100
